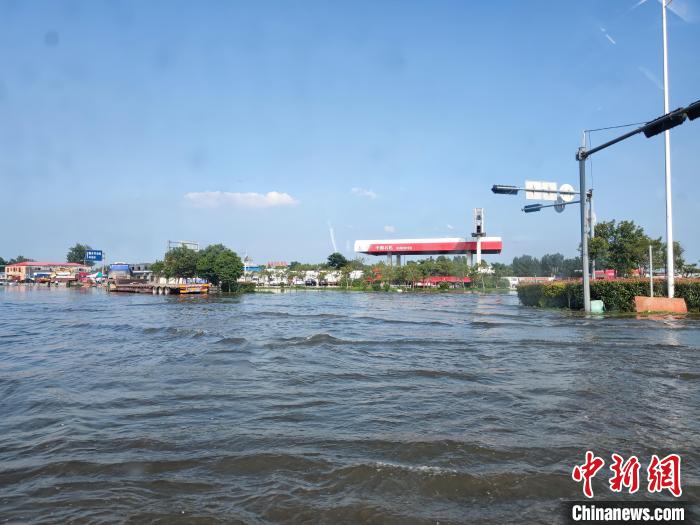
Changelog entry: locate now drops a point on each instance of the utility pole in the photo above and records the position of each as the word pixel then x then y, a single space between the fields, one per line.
pixel 670 271
pixel 584 237
pixel 651 274
pixel 650 129
pixel 591 227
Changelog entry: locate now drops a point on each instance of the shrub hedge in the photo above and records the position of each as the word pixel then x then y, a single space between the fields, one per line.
pixel 617 295
pixel 243 288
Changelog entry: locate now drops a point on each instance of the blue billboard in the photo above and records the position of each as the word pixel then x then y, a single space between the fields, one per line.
pixel 93 255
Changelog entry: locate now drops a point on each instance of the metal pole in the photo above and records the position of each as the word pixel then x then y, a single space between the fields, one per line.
pixel 584 237
pixel 651 274
pixel 667 137
pixel 591 228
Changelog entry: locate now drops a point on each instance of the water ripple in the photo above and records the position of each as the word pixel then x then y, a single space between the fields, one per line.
pixel 326 407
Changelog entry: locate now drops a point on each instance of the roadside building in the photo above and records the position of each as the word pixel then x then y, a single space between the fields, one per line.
pixel 513 282
pixel 119 270
pixel 141 270
pixel 30 269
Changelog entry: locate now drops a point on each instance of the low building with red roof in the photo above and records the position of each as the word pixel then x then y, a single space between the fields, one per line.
pixel 28 269
pixel 435 280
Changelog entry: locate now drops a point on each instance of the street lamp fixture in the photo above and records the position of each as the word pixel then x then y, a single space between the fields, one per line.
pixel 565 189
pixel 530 208
pixel 502 189
pixel 506 189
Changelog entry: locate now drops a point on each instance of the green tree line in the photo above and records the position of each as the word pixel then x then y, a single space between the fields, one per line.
pixel 216 263
pixel 14 260
pixel 624 247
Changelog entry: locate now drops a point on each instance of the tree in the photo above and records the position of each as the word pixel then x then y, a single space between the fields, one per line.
pixel 428 267
pixel 345 276
pixel 220 266
pixel 526 266
pixel 599 245
pixel 337 260
pixel 228 267
pixel 678 250
pixel 501 270
pixel 358 263
pixel 158 268
pixel 659 254
pixel 571 268
pixel 76 254
pixel 3 263
pixel 689 270
pixel 551 264
pixel 412 273
pixel 19 259
pixel 621 246
pixel 206 262
pixel 444 266
pixel 180 262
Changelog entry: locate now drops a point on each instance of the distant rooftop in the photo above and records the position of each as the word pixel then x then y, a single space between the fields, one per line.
pixel 41 263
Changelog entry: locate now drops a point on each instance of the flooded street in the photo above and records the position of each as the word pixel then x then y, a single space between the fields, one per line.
pixel 328 407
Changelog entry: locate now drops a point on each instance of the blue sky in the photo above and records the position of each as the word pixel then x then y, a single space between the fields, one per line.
pixel 258 124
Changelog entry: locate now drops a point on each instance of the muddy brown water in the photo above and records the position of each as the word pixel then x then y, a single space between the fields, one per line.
pixel 328 407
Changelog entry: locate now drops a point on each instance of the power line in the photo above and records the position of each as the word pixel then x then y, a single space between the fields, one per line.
pixel 588 135
pixel 615 127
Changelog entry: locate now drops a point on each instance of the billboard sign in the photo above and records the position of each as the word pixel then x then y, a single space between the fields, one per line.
pixel 93 255
pixel 540 190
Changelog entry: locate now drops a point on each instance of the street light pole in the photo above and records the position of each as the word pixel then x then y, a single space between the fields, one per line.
pixel 651 274
pixel 670 272
pixel 584 237
pixel 591 227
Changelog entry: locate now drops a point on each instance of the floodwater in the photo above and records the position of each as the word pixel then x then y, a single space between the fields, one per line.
pixel 328 407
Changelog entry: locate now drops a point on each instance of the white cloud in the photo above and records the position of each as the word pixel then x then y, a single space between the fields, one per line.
pixel 450 227
pixel 215 199
pixel 361 192
pixel 389 229
pixel 610 38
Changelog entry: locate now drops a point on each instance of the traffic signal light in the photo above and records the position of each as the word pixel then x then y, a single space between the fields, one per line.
pixel 667 121
pixel 693 110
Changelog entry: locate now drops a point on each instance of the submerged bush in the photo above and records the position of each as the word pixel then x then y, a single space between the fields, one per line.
pixel 617 295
